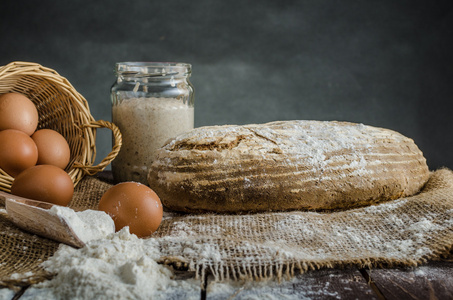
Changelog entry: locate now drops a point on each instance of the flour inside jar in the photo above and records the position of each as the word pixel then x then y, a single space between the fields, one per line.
pixel 145 125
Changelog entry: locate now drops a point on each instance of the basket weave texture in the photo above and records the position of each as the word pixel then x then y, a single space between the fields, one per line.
pixel 61 108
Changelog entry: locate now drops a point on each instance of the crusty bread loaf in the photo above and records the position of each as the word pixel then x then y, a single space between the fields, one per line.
pixel 286 165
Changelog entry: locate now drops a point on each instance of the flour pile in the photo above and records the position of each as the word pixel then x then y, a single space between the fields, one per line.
pixel 88 225
pixel 120 266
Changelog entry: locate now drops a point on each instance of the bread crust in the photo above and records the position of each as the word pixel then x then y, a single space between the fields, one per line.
pixel 286 165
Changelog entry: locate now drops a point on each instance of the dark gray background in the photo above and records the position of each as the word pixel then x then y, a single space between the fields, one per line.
pixel 384 63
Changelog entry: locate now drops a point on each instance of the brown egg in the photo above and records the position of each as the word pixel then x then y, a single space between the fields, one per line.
pixel 18 112
pixel 53 149
pixel 17 151
pixel 135 205
pixel 44 183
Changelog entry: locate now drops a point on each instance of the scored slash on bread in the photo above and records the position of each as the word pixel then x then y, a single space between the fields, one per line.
pixel 286 165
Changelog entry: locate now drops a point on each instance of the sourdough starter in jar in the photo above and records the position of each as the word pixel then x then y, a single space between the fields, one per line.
pixel 151 103
pixel 146 124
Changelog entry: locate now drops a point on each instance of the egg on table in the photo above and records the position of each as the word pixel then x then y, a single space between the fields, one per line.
pixel 135 205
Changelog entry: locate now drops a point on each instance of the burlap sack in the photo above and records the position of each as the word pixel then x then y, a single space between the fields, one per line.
pixel 404 232
pixel 22 253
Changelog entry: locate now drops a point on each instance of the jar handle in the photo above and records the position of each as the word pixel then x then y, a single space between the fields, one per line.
pixel 91 170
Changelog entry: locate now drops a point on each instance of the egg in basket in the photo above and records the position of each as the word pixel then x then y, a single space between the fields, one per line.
pixel 62 109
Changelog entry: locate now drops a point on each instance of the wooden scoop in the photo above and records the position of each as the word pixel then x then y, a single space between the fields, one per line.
pixel 35 217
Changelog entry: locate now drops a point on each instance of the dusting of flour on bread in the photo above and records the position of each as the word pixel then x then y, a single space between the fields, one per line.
pixel 286 165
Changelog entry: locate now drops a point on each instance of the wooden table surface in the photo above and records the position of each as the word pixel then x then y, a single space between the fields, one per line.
pixel 433 280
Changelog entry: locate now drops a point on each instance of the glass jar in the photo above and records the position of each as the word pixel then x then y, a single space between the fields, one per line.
pixel 151 103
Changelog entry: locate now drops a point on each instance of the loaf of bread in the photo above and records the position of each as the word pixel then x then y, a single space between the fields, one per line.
pixel 286 165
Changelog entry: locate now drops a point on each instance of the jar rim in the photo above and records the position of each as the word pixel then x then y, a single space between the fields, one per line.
pixel 153 68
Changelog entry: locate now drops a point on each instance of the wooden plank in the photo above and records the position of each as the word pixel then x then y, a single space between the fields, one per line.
pixel 431 281
pixel 321 284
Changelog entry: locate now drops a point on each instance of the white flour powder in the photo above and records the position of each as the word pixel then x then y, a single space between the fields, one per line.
pixel 120 266
pixel 87 225
pixel 6 294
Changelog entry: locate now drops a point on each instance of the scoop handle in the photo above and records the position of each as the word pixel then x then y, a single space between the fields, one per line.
pixel 34 216
pixel 6 196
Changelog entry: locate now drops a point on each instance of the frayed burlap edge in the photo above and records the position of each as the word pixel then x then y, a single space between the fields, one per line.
pixel 194 234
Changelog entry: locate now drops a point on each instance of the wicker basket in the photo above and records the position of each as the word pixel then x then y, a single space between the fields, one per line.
pixel 60 108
